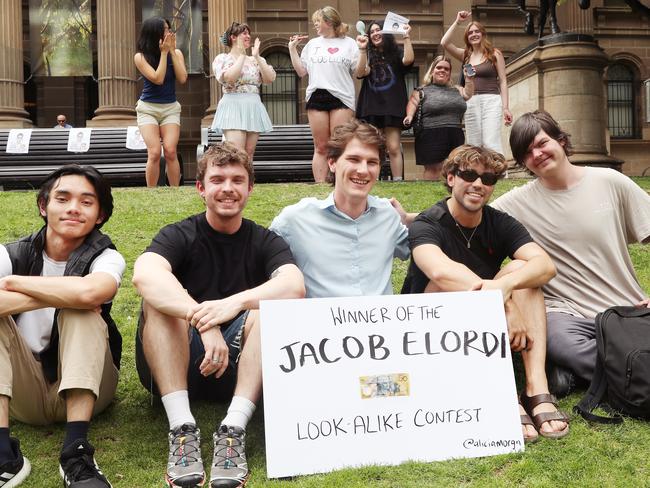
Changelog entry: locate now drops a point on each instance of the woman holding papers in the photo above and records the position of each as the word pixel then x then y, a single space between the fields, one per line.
pixel 330 61
pixel 240 113
pixel 383 94
pixel 439 107
pixel 490 102
pixel 159 114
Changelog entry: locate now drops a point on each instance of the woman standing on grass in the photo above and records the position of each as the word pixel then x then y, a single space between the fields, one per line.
pixel 330 60
pixel 159 114
pixel 240 115
pixel 490 102
pixel 441 116
pixel 383 94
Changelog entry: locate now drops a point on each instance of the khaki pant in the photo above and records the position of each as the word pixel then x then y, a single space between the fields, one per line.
pixel 85 362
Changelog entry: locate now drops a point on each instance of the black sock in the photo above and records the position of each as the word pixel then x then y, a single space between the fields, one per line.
pixel 6 453
pixel 75 431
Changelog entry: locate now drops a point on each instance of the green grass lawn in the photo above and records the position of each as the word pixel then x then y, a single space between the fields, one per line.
pixel 131 436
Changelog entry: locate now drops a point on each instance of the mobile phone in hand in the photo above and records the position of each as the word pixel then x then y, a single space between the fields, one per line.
pixel 469 69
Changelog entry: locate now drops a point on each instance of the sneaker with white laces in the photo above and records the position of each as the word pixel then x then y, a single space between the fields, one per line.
pixel 78 467
pixel 229 466
pixel 13 473
pixel 185 466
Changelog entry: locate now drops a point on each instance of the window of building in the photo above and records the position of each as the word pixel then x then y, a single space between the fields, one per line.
pixel 281 97
pixel 621 116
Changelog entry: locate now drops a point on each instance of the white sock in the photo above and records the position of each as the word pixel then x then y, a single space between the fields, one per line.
pixel 397 178
pixel 239 413
pixel 177 407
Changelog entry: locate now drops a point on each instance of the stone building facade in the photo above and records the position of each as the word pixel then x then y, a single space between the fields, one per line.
pixel 108 98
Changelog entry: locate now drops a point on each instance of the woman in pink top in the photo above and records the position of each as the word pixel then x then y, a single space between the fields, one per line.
pixel 240 115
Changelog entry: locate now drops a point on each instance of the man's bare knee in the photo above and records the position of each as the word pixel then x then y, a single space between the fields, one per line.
pixel 154 319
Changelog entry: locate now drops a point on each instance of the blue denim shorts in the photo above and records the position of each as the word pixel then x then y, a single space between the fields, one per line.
pixel 199 386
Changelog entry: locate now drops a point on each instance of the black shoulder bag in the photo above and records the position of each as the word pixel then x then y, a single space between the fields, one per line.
pixel 621 382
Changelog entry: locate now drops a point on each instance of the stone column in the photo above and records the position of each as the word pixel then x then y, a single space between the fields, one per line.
pixel 117 73
pixel 221 13
pixel 12 95
pixel 563 74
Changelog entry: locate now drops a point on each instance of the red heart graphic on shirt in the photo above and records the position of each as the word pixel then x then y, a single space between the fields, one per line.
pixel 333 50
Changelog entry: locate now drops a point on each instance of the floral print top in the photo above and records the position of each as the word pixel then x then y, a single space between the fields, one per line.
pixel 249 80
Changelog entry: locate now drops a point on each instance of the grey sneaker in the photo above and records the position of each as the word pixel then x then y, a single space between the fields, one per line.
pixel 229 466
pixel 185 466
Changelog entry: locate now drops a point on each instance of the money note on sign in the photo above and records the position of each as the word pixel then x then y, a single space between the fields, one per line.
pixel 384 385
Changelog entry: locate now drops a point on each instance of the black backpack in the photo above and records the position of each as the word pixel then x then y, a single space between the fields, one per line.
pixel 621 382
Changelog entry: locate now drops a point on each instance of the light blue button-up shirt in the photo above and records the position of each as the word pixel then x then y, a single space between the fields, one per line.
pixel 339 255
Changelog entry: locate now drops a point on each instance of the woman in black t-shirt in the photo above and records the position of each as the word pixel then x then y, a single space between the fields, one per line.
pixel 383 94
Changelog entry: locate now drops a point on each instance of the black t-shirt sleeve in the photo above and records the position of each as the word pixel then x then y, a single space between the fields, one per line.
pixel 173 243
pixel 276 252
pixel 513 231
pixel 425 230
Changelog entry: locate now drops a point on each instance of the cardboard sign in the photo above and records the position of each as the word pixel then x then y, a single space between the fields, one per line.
pixel 383 380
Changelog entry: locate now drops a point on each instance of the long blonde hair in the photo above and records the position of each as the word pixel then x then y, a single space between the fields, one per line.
pixel 428 76
pixel 486 46
pixel 331 16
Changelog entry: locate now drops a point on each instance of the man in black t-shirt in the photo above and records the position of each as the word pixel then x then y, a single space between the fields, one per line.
pixel 201 281
pixel 460 243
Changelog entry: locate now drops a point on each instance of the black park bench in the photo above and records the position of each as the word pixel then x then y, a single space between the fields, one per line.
pixel 48 150
pixel 284 154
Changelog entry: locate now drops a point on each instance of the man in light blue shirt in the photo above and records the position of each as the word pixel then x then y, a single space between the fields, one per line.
pixel 345 244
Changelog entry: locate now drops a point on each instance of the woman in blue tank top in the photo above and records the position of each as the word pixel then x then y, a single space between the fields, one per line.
pixel 159 114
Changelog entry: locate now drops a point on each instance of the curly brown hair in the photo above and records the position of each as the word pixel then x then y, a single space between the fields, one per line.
pixel 223 154
pixel 466 155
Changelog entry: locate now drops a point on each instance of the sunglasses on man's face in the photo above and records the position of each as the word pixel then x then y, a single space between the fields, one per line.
pixel 470 175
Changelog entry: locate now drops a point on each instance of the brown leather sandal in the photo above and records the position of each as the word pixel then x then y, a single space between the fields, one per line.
pixel 526 420
pixel 529 403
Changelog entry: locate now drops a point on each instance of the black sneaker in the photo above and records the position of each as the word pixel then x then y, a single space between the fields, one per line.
pixel 13 473
pixel 229 466
pixel 561 381
pixel 78 467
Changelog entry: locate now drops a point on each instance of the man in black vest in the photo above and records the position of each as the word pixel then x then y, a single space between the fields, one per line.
pixel 59 348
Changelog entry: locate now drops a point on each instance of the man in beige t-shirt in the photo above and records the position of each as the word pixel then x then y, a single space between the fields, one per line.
pixel 584 218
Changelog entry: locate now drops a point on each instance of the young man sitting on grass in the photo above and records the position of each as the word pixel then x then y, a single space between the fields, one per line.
pixel 345 244
pixel 459 244
pixel 59 348
pixel 584 218
pixel 201 281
